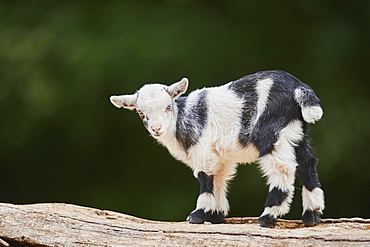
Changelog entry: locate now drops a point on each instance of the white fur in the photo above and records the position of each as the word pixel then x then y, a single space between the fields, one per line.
pixel 207 202
pixel 280 165
pixel 127 101
pixel 312 113
pixel 219 140
pixel 277 211
pixel 263 91
pixel 153 100
pixel 218 143
pixel 224 174
pixel 313 200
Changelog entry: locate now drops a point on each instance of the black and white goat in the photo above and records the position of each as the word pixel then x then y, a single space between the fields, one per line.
pixel 261 117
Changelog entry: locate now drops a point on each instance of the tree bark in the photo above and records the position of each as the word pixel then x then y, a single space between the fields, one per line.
pixel 59 224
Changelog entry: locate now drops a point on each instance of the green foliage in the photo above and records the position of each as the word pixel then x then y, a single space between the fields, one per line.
pixel 61 139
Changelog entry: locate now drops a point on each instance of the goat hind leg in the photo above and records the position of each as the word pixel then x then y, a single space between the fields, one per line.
pixel 281 188
pixel 312 194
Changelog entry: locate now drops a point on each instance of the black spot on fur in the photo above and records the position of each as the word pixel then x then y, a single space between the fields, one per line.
pixel 307 97
pixel 245 88
pixel 206 183
pixel 281 109
pixel 200 110
pixel 275 197
pixel 190 124
pixel 307 163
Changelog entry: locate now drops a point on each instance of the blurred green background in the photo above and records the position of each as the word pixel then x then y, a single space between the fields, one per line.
pixel 61 140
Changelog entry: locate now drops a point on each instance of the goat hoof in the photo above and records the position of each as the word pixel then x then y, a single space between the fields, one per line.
pixel 311 218
pixel 199 217
pixel 215 217
pixel 267 221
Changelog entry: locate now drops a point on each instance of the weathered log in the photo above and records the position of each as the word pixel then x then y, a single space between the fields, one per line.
pixel 59 224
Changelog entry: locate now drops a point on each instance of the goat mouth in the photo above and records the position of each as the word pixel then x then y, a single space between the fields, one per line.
pixel 157 134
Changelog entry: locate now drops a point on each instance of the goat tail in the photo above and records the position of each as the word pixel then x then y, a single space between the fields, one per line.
pixel 309 103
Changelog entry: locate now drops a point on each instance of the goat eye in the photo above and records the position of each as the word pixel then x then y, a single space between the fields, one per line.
pixel 169 107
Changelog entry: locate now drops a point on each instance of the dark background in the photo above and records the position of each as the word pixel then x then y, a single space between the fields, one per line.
pixel 61 140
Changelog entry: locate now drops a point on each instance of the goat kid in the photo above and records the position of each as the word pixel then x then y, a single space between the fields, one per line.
pixel 261 118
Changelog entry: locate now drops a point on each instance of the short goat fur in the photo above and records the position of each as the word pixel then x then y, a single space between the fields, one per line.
pixel 262 117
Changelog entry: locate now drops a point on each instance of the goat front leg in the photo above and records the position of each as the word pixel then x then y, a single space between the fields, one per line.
pixel 207 204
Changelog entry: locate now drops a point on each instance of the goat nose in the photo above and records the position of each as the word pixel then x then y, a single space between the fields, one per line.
pixel 156 128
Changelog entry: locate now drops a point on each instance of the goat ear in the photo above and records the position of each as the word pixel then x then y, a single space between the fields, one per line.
pixel 125 101
pixel 178 88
